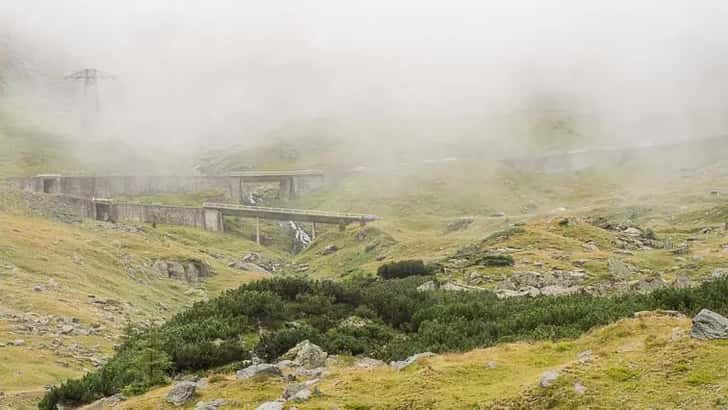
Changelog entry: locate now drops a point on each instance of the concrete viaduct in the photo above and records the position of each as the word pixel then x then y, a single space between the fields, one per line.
pixel 284 214
pixel 233 185
pixel 90 197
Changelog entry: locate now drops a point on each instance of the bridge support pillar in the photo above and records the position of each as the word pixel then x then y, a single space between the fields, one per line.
pixel 257 230
pixel 213 221
pixel 313 230
pixel 236 189
pixel 285 189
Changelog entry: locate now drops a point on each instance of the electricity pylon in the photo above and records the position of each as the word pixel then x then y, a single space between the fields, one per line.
pixel 90 77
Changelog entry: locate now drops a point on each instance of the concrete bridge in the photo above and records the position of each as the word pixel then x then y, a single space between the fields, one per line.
pixel 286 214
pixel 233 185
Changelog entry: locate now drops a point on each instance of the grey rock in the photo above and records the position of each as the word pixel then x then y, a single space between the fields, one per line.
pixel 329 249
pixel 105 402
pixel 317 372
pixel 709 325
pixel 427 286
pixel 720 273
pixel 585 356
pixel 399 365
pixel 248 267
pixel 682 281
pixel 181 393
pixel 271 405
pixel 18 342
pixel 293 389
pixel 67 329
pixel 456 287
pixel 579 388
pixel 210 405
pixel 491 364
pixel 548 378
pixel 555 290
pixel 307 354
pixel 263 369
pixel 369 363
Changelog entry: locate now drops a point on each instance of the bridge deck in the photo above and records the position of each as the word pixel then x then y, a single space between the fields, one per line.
pixel 271 176
pixel 285 214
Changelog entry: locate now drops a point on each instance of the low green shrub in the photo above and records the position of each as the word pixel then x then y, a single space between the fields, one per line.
pixel 397 321
pixel 402 269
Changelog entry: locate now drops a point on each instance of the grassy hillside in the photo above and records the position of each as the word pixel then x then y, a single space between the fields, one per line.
pixel 93 276
pixel 646 362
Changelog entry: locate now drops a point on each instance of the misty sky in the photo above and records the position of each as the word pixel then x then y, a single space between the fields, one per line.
pixel 235 70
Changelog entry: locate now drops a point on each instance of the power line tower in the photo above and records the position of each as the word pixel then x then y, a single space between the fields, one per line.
pixel 90 77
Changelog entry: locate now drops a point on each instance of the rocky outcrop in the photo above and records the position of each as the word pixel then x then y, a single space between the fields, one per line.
pixel 306 354
pixel 187 271
pixel 427 286
pixel 259 370
pixel 709 325
pixel 181 393
pixel 534 284
pixel 399 365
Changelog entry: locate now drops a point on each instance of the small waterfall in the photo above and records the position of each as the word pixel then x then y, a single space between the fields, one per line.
pixel 302 237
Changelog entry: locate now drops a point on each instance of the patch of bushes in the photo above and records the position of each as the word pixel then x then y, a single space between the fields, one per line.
pixel 402 269
pixel 496 260
pixel 395 321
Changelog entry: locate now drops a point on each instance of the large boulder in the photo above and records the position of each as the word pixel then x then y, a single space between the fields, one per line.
pixel 263 369
pixel 307 354
pixel 181 393
pixel 709 325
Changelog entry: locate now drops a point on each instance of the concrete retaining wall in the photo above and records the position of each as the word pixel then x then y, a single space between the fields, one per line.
pixel 168 215
pixel 114 186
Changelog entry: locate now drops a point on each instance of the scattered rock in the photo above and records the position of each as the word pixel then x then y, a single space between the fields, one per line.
pixel 709 325
pixel 271 405
pixel 427 286
pixel 369 363
pixel 491 364
pixel 329 249
pixel 181 393
pixel 548 378
pixel 459 224
pixel 18 342
pixel 67 329
pixel 579 388
pixel 298 392
pixel 307 354
pixel 399 365
pixel 585 356
pixel 210 405
pixel 263 369
pixel 105 402
pixel 682 281
pixel 499 214
pixel 456 287
pixel 719 273
pixel 248 267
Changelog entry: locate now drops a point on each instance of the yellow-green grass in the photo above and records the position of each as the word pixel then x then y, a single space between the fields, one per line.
pixel 71 262
pixel 637 363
